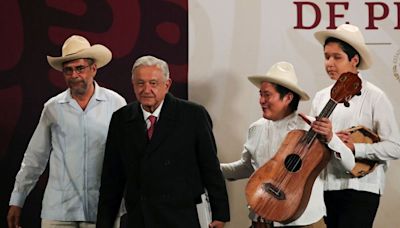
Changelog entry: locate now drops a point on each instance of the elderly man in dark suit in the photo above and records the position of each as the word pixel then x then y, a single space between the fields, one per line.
pixel 161 155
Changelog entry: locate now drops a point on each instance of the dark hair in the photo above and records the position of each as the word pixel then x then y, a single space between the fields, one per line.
pixel 347 48
pixel 283 91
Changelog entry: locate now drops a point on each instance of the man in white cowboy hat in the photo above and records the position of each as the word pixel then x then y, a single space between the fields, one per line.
pixel 279 98
pixel 352 201
pixel 72 132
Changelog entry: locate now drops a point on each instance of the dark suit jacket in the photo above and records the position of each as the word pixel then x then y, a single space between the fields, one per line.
pixel 162 178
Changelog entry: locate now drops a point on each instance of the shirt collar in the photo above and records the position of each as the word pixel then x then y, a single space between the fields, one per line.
pixel 289 121
pixel 98 94
pixel 156 112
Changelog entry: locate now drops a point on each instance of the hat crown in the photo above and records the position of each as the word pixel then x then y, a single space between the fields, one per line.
pixel 283 71
pixel 352 31
pixel 74 44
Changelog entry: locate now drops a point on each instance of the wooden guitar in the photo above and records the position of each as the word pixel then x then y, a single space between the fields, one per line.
pixel 361 134
pixel 280 189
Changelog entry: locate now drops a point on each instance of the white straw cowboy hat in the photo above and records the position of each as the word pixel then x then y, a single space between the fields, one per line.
pixel 281 73
pixel 78 47
pixel 350 34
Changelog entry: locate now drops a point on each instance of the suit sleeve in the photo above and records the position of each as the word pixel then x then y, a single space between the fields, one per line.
pixel 211 174
pixel 112 179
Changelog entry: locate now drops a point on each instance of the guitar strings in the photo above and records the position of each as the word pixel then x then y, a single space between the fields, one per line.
pixel 308 138
pixel 304 142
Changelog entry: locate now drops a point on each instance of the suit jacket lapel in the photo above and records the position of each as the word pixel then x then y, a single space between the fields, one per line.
pixel 165 124
pixel 136 128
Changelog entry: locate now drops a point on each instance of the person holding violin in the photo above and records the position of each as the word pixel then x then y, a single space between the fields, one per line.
pixel 353 201
pixel 279 98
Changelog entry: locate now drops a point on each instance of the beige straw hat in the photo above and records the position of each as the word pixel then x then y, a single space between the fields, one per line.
pixel 78 47
pixel 281 73
pixel 350 34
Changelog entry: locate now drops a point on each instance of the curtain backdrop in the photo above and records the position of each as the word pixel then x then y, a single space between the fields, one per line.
pixel 30 30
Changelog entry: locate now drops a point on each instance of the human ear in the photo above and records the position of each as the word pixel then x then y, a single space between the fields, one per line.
pixel 355 60
pixel 288 97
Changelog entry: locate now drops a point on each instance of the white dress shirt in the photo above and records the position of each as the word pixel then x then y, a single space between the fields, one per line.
pixel 156 113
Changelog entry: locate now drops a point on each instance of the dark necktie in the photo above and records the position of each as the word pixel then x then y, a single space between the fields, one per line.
pixel 152 120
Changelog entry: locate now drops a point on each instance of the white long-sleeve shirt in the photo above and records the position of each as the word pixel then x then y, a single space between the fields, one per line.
pixel 263 141
pixel 373 110
pixel 73 141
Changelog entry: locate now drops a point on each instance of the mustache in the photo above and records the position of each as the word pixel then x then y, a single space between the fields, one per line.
pixel 75 80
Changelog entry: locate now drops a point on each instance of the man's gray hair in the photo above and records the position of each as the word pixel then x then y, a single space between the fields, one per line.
pixel 149 60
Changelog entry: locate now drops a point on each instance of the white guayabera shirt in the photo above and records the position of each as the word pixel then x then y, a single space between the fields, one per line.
pixel 74 141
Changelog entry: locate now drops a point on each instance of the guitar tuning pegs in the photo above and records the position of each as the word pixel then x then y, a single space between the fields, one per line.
pixel 346 104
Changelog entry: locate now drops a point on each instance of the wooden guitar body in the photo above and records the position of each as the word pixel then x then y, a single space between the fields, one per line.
pixel 280 185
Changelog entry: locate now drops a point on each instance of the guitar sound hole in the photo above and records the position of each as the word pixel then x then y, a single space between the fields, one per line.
pixel 274 191
pixel 293 163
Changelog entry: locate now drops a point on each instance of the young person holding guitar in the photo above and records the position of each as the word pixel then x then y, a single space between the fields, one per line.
pixel 353 201
pixel 279 99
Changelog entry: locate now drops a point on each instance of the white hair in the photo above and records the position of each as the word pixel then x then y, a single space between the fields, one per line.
pixel 149 60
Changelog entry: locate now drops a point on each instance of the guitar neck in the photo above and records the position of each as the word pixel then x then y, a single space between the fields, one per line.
pixel 325 113
pixel 328 109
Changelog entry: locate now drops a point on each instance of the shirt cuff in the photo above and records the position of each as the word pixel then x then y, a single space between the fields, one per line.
pixel 337 146
pixel 342 152
pixel 360 151
pixel 17 199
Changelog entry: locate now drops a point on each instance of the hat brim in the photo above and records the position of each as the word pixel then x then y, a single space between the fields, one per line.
pixel 257 80
pixel 366 59
pixel 99 53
